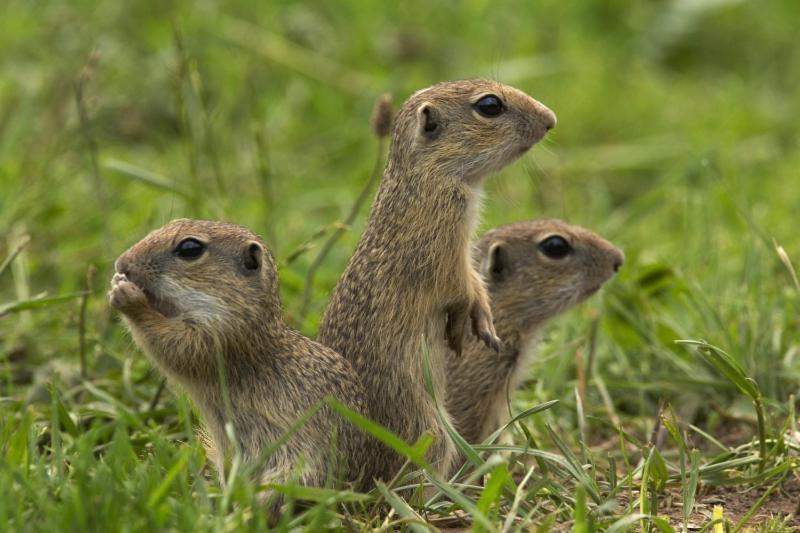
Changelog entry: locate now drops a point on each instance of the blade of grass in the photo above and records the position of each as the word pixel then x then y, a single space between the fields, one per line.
pixel 709 438
pixel 319 494
pixel 462 501
pixel 574 466
pixel 37 302
pixel 518 420
pixel 530 442
pixel 415 452
pixel 120 409
pixel 580 513
pixel 654 479
pixel 757 505
pixel 21 244
pixel 492 492
pixel 512 512
pixel 308 244
pixel 581 425
pixel 90 273
pixel 169 478
pixel 670 421
pixel 531 411
pixel 727 366
pixel 626 523
pixel 690 491
pixel 550 457
pixel 144 177
pixel 731 369
pixel 782 255
pixel 413 520
pixel 55 435
pixel 63 415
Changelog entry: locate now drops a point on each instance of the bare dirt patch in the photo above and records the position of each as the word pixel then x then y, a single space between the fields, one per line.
pixel 783 502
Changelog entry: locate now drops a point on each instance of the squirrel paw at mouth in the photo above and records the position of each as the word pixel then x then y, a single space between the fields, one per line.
pixel 124 294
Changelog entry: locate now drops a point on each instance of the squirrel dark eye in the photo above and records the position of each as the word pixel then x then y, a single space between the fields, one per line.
pixel 190 249
pixel 555 247
pixel 489 106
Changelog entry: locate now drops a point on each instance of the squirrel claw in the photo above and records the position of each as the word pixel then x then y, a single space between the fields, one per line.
pixel 483 328
pixel 491 341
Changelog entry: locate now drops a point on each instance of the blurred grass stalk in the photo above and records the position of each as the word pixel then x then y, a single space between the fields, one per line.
pixel 688 485
pixel 145 177
pixel 266 182
pixel 16 248
pixel 193 110
pixel 784 257
pixel 303 60
pixel 97 183
pixel 381 127
pixel 90 274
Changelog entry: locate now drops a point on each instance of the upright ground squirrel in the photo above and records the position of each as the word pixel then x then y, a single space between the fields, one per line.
pixel 412 273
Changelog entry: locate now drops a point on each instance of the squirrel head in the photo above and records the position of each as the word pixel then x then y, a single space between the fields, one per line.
pixel 467 129
pixel 204 271
pixel 537 269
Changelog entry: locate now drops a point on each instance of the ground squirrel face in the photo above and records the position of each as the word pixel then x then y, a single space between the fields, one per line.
pixel 468 128
pixel 559 263
pixel 200 270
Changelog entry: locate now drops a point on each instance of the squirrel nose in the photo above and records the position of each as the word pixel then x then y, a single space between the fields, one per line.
pixel 121 265
pixel 619 259
pixel 548 118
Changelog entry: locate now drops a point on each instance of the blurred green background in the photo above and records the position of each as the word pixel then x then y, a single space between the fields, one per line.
pixel 677 139
pixel 677 135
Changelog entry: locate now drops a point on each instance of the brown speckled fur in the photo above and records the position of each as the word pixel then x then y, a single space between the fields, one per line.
pixel 186 313
pixel 526 288
pixel 411 275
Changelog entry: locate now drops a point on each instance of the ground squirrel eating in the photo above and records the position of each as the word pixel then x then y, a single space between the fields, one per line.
pixel 534 270
pixel 411 274
pixel 201 300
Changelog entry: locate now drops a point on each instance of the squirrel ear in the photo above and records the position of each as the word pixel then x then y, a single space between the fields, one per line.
pixel 252 257
pixel 428 121
pixel 496 265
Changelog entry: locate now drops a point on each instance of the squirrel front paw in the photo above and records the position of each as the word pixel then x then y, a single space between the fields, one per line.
pixel 479 315
pixel 124 295
pixel 483 326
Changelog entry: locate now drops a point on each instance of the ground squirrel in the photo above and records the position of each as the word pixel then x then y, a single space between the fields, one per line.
pixel 534 270
pixel 411 274
pixel 197 292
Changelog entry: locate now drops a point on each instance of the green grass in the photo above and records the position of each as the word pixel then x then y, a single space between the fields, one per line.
pixel 677 139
